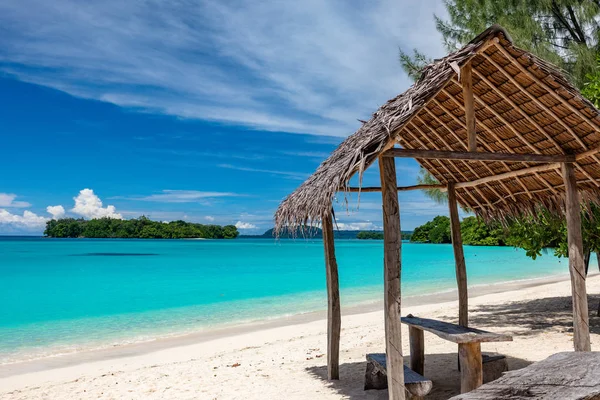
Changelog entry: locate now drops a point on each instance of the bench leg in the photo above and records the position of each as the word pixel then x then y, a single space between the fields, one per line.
pixel 417 350
pixel 375 378
pixel 471 368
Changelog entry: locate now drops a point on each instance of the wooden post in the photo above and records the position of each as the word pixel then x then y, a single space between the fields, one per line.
pixel 471 368
pixel 334 320
pixel 466 79
pixel 459 258
pixel 581 329
pixel 391 248
pixel 417 349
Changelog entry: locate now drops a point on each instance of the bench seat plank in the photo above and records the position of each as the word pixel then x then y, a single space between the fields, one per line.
pixel 455 333
pixel 416 384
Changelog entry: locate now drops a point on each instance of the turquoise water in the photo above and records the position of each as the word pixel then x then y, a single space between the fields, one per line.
pixel 62 295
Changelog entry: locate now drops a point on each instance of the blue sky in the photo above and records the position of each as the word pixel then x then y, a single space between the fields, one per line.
pixel 207 111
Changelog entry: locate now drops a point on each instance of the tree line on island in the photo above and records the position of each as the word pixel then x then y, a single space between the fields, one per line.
pixel 142 227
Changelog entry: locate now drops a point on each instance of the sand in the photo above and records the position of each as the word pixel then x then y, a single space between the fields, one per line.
pixel 286 358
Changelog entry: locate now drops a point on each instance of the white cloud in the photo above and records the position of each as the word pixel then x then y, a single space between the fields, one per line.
pixel 88 205
pixel 209 218
pixel 245 225
pixel 57 212
pixel 8 200
pixel 180 196
pixel 27 221
pixel 308 66
pixel 287 174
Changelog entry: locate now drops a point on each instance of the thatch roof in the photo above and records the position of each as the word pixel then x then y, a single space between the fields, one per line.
pixel 523 105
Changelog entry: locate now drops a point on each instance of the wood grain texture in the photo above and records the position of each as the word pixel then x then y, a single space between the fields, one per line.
pixel 415 383
pixel 454 333
pixel 471 366
pixel 459 258
pixel 581 329
pixel 417 349
pixel 392 246
pixel 479 156
pixel 564 376
pixel 466 80
pixel 334 320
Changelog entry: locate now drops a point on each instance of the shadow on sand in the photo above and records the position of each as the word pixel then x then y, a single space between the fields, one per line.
pixel 530 317
pixel 440 368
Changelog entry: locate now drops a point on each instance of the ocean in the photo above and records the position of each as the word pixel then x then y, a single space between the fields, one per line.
pixel 65 295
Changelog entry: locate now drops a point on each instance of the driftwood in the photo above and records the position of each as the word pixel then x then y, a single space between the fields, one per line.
pixel 563 376
pixel 376 377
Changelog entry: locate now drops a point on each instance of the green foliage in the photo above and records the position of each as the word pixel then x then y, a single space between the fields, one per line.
pixel 434 231
pixel 369 235
pixel 564 32
pixel 477 233
pixel 142 227
pixel 591 87
pixel 425 178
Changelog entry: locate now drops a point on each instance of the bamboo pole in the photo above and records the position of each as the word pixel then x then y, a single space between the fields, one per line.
pixel 581 329
pixel 392 247
pixel 459 258
pixel 334 321
pixel 479 156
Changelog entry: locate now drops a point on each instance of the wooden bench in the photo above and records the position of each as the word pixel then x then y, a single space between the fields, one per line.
pixel 469 347
pixel 376 377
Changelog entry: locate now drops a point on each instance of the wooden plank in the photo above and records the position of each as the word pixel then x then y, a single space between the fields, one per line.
pixel 564 376
pixel 479 156
pixel 367 189
pixel 471 367
pixel 334 319
pixel 506 175
pixel 459 258
pixel 466 81
pixel 391 247
pixel 416 384
pixel 455 333
pixel 417 350
pixel 581 329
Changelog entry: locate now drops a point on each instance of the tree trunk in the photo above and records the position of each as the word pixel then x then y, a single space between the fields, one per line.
pixel 586 260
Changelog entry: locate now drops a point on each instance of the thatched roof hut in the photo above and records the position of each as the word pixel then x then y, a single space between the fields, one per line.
pixel 503 132
pixel 522 105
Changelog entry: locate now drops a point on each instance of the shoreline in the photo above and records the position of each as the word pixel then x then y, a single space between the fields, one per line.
pixel 140 349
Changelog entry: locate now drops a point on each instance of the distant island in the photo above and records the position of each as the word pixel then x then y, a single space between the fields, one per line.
pixel 136 228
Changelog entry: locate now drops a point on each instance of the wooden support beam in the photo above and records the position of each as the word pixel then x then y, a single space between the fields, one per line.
pixel 391 248
pixel 466 80
pixel 459 258
pixel 479 156
pixel 368 189
pixel 417 349
pixel 511 174
pixel 334 320
pixel 581 329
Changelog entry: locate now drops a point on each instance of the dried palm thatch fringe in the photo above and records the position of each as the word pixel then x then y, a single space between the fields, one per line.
pixel 523 105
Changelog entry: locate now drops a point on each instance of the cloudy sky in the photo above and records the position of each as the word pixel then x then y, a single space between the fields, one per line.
pixel 207 111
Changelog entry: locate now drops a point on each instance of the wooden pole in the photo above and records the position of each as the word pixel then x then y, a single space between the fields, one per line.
pixel 581 329
pixel 391 248
pixel 459 258
pixel 466 79
pixel 334 320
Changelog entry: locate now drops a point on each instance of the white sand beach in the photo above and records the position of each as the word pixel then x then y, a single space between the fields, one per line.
pixel 286 358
